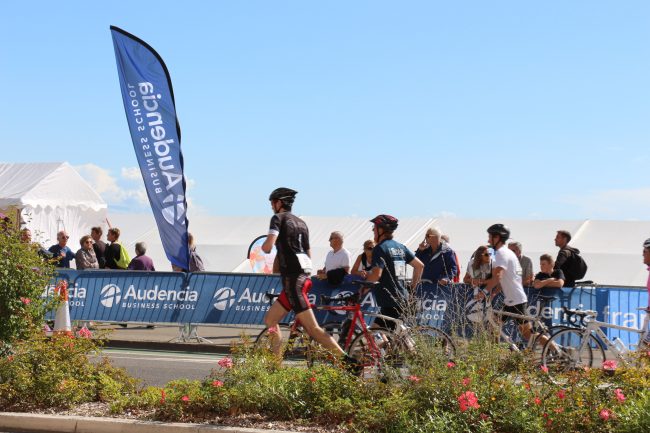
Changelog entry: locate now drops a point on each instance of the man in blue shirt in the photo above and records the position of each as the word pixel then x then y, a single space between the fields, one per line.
pixel 438 258
pixel 389 260
pixel 61 251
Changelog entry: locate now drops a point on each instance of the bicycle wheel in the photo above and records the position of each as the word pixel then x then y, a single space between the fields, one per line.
pixel 379 358
pixel 537 345
pixel 294 345
pixel 432 341
pixel 567 350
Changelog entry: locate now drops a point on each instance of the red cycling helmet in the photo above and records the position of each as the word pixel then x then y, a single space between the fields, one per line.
pixel 387 222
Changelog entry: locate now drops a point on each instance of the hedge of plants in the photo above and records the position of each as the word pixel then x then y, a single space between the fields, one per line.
pixel 488 389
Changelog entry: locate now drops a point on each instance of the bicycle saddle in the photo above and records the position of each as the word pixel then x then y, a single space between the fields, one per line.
pixel 341 297
pixel 368 284
pixel 271 296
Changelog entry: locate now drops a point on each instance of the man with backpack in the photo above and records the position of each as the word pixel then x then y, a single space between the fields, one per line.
pixel 569 260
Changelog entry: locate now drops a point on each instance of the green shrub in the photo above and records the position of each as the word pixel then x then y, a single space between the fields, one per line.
pixel 56 372
pixel 23 278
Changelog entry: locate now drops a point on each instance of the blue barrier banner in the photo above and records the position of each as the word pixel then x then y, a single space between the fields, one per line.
pixel 241 298
pixel 151 114
pixel 227 298
pixel 133 296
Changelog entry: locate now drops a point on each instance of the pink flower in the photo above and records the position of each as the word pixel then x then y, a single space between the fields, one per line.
pixel 538 401
pixel 609 365
pixel 450 364
pixel 272 330
pixel 415 379
pixel 185 398
pixel 618 392
pixel 605 414
pixel 225 362
pixel 484 416
pixel 313 379
pixel 544 368
pixel 217 383
pixel 561 394
pixel 162 395
pixel 467 381
pixel 468 400
pixel 84 333
pixel 25 301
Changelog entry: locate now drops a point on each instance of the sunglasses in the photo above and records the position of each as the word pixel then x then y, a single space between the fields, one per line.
pixel 486 254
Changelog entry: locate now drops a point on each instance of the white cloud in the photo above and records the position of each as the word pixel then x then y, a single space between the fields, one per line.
pixel 631 203
pixel 131 173
pixel 125 193
pixel 109 187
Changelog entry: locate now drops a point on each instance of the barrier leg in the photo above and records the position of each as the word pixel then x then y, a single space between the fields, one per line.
pixel 188 333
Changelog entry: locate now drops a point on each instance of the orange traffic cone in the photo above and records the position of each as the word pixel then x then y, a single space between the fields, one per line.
pixel 62 325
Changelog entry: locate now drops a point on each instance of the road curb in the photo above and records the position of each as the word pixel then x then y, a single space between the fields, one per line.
pixel 172 347
pixel 38 423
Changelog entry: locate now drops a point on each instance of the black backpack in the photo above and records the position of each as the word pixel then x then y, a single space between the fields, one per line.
pixel 578 266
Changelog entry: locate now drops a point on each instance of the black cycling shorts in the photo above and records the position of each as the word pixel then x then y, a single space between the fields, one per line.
pixel 515 309
pixel 294 293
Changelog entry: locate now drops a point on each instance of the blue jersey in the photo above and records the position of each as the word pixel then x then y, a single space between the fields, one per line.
pixel 392 257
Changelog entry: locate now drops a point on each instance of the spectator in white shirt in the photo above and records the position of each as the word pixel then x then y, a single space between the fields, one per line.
pixel 337 262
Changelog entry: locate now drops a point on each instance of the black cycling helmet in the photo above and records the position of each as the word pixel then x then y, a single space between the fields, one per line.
pixel 285 195
pixel 646 243
pixel 501 230
pixel 386 222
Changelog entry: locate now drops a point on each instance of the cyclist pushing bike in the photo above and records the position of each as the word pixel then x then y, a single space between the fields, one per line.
pixel 389 260
pixel 506 273
pixel 291 238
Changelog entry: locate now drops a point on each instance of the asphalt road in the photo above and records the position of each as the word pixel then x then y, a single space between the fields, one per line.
pixel 156 368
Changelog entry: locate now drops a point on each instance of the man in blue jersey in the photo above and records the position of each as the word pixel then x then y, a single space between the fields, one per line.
pixel 389 260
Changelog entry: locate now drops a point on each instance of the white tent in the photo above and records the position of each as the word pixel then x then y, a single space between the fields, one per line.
pixel 49 197
pixel 612 249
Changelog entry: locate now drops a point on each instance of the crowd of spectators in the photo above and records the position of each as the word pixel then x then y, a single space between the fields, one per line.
pixel 442 267
pixel 94 253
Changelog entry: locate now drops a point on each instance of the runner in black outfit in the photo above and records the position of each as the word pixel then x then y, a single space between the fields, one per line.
pixel 291 238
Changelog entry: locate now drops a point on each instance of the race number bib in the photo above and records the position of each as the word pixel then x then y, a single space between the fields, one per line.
pixel 400 269
pixel 305 262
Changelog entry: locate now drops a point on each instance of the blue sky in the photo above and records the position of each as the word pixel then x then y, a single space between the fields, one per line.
pixel 503 109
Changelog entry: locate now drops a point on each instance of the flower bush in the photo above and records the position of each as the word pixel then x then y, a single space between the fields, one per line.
pixel 475 394
pixel 56 372
pixel 23 278
pixel 486 388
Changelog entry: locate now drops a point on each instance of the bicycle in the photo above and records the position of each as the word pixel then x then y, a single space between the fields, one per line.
pixel 586 344
pixel 481 312
pixel 375 348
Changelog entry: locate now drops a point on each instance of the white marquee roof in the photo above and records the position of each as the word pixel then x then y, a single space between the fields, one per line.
pixel 612 249
pixel 46 185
